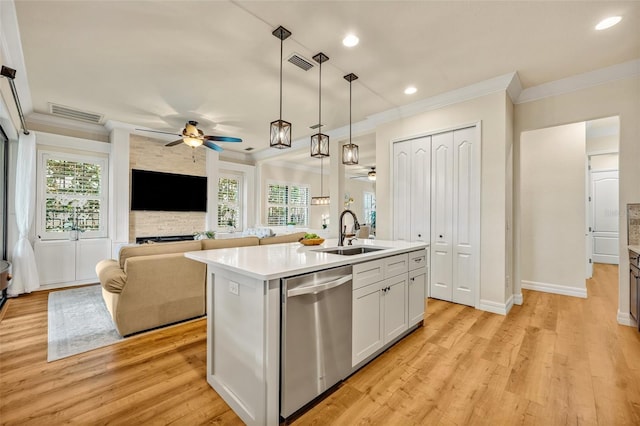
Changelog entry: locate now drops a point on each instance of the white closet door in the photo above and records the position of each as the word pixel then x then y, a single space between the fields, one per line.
pixel 401 191
pixel 441 215
pixel 465 227
pixel 420 189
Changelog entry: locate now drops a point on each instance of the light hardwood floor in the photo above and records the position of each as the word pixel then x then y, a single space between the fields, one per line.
pixel 555 360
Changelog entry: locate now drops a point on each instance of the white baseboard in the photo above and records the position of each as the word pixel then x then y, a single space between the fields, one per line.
pixel 517 299
pixel 496 307
pixel 555 289
pixel 68 284
pixel 625 319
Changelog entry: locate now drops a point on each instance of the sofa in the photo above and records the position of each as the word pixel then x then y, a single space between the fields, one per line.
pixel 152 285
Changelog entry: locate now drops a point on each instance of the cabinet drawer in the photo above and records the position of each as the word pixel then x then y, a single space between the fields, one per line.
pixel 368 273
pixel 417 259
pixel 396 265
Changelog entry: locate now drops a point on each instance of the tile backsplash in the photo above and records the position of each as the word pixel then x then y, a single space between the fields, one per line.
pixel 633 216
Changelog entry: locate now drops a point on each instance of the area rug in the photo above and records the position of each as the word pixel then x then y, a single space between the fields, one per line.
pixel 78 322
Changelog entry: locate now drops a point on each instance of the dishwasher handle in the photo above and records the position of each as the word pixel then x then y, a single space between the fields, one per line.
pixel 318 288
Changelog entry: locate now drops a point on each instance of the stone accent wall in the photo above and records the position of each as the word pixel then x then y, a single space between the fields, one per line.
pixel 634 224
pixel 150 154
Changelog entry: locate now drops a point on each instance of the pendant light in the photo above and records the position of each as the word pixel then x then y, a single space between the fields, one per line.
pixel 322 200
pixel 350 150
pixel 280 129
pixel 320 141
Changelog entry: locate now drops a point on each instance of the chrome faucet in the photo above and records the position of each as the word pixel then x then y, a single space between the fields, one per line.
pixel 343 229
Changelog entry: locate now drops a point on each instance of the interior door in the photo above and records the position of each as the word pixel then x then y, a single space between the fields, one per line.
pixel 466 198
pixel 605 216
pixel 441 215
pixel 420 189
pixel 401 191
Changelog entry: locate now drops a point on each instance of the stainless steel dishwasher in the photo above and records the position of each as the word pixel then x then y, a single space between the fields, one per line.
pixel 315 340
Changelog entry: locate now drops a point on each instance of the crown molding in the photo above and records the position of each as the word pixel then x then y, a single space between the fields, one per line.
pixel 473 91
pixel 580 81
pixel 507 82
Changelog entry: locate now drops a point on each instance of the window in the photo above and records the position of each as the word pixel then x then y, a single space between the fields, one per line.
pixel 73 195
pixel 287 204
pixel 370 209
pixel 230 201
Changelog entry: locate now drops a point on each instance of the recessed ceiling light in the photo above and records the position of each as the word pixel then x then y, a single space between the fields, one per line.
pixel 410 90
pixel 608 22
pixel 350 40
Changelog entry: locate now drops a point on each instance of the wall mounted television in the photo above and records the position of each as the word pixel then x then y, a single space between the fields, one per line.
pixel 171 192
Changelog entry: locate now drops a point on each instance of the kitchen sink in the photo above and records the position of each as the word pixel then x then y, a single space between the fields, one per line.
pixel 350 251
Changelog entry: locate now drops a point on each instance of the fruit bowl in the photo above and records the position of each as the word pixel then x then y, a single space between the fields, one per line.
pixel 311 241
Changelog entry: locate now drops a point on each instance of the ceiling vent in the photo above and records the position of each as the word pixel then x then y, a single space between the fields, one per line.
pixel 300 61
pixel 75 114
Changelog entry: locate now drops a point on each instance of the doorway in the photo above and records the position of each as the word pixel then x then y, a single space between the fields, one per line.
pixel 557 218
pixel 602 140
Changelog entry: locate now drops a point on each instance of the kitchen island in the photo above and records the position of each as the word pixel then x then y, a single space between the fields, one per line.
pixel 244 298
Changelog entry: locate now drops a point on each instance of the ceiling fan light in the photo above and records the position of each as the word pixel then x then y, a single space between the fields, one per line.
pixel 350 154
pixel 280 134
pixel 319 145
pixel 372 175
pixel 192 142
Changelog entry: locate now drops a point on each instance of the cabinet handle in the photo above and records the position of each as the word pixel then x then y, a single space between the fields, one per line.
pixel 413 279
pixel 440 236
pixel 419 235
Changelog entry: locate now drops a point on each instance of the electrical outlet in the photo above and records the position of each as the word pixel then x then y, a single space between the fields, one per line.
pixel 233 288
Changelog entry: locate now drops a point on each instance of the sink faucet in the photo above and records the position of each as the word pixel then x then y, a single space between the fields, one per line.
pixel 343 229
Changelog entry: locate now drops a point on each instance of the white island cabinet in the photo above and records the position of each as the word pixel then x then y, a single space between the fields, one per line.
pixel 243 312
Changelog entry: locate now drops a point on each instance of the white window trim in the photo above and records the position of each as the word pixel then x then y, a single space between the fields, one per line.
pixel 43 156
pixel 248 191
pixel 364 206
pixel 267 204
pixel 241 195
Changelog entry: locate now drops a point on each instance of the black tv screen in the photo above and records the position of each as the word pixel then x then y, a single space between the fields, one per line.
pixel 168 192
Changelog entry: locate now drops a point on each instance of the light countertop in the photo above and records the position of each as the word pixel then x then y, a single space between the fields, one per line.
pixel 273 261
pixel 635 249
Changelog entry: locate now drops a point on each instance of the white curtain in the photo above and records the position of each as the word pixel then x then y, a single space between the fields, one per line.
pixel 25 272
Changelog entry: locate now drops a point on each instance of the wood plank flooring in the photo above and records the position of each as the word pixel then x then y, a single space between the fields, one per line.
pixel 555 360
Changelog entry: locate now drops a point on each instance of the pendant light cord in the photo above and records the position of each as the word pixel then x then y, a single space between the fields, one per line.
pixel 320 100
pixel 321 176
pixel 281 51
pixel 350 81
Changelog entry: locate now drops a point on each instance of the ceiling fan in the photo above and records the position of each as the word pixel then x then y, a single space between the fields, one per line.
pixel 371 175
pixel 195 137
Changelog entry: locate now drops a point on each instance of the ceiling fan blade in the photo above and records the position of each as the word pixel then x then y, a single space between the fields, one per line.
pixel 213 146
pixel 174 143
pixel 158 131
pixel 222 138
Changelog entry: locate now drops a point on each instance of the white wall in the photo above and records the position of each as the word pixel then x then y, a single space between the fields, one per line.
pixel 619 97
pixel 491 112
pixel 553 217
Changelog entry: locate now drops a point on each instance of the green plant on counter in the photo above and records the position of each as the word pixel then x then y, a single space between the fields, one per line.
pixel 205 235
